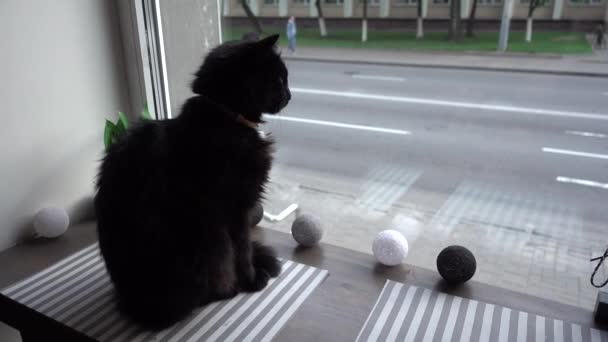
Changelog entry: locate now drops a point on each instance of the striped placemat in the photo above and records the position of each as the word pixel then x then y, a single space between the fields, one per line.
pixel 410 313
pixel 77 292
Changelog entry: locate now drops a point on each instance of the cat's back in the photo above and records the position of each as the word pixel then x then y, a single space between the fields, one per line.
pixel 131 163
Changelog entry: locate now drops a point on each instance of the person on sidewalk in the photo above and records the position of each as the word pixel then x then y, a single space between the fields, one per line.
pixel 291 35
pixel 600 39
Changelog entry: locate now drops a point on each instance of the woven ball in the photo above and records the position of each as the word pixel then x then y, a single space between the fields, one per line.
pixel 256 214
pixel 390 247
pixel 456 264
pixel 51 222
pixel 307 230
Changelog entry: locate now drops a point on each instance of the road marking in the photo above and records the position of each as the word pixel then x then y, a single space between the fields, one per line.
pixel 583 182
pixel 471 105
pixel 587 134
pixel 337 124
pixel 575 153
pixel 378 78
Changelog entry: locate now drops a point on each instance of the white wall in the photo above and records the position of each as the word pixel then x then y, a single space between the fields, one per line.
pixel 62 75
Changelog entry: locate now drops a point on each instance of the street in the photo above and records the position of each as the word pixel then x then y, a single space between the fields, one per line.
pixel 513 166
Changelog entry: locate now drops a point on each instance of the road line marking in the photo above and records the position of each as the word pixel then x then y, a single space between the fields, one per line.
pixel 575 153
pixel 378 78
pixel 525 110
pixel 583 182
pixel 587 134
pixel 337 124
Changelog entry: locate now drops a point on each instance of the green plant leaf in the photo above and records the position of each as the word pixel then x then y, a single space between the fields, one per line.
pixel 108 133
pixel 119 129
pixel 146 113
pixel 122 118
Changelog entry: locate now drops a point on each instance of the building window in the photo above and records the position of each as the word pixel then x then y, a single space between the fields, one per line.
pixel 441 2
pixel 406 2
pixel 334 2
pixel 490 2
pixel 543 3
pixel 271 2
pixel 586 2
pixel 301 2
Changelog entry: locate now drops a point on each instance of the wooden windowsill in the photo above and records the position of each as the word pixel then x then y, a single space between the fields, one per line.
pixel 337 308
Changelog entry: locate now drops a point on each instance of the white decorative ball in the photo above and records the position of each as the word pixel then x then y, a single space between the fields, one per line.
pixel 307 230
pixel 390 247
pixel 51 222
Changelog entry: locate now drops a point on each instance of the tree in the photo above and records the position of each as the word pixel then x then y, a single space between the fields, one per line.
pixel 364 22
pixel 322 28
pixel 534 4
pixel 471 20
pixel 252 18
pixel 419 21
pixel 455 21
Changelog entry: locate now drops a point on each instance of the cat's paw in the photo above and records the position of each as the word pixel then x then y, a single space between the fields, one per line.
pixel 269 265
pixel 264 260
pixel 258 283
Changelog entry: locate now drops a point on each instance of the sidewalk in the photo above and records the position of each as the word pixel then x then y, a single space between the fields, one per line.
pixel 595 65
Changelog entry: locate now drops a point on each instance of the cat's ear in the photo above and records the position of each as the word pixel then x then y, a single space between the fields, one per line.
pixel 269 42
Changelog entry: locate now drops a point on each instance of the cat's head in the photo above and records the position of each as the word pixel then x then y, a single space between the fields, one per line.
pixel 248 77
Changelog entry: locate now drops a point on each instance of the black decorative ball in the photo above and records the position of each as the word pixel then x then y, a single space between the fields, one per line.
pixel 456 264
pixel 256 214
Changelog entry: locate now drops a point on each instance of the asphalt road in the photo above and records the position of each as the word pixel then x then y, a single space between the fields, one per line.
pixel 517 130
pixel 513 166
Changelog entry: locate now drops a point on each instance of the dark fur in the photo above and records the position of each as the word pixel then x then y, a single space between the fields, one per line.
pixel 173 195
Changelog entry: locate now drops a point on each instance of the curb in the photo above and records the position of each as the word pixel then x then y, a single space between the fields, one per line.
pixel 452 67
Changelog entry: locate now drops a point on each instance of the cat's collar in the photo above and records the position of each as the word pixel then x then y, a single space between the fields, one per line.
pixel 238 117
pixel 242 120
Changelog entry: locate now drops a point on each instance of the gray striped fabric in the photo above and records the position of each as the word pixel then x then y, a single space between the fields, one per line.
pixel 77 292
pixel 410 313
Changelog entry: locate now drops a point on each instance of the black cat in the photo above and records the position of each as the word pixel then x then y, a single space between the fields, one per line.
pixel 173 195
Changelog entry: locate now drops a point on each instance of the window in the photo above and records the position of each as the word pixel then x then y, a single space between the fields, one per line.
pixel 544 3
pixel 586 2
pixel 474 165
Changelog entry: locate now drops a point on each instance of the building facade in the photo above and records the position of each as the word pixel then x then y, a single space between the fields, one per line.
pixel 572 10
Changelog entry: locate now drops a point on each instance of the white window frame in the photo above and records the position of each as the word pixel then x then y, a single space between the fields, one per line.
pixel 144 55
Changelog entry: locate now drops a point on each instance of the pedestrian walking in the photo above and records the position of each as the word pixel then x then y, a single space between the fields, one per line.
pixel 291 34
